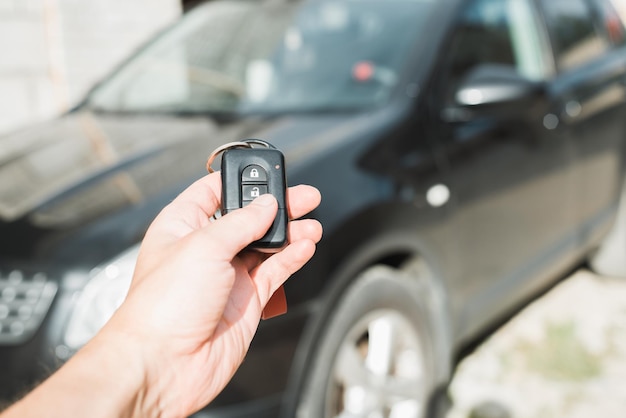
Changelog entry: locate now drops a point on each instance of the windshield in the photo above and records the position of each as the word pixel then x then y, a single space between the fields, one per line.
pixel 270 56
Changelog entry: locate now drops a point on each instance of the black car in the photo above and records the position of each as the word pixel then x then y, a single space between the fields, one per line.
pixel 469 154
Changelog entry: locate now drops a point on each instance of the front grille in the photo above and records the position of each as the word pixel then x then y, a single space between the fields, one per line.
pixel 24 303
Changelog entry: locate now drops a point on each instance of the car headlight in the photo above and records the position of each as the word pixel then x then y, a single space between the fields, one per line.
pixel 101 297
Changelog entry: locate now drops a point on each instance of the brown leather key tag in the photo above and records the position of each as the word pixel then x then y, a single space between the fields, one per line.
pixel 276 306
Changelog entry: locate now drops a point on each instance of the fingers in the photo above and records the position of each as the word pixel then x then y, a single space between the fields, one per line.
pixel 229 235
pixel 274 271
pixel 197 204
pixel 270 274
pixel 193 208
pixel 298 230
pixel 238 229
pixel 205 193
pixel 309 229
pixel 301 200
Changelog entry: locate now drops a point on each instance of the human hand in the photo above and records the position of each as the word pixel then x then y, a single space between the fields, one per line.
pixel 196 299
pixel 192 309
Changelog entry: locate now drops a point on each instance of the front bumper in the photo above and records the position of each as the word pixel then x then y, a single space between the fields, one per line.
pixel 255 391
pixel 34 310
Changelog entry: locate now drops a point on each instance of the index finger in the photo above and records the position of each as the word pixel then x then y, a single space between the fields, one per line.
pixel 189 211
pixel 205 192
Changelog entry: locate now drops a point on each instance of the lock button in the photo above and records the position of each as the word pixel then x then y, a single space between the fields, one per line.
pixel 253 173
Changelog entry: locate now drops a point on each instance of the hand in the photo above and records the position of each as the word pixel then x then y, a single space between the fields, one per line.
pixel 192 309
pixel 195 301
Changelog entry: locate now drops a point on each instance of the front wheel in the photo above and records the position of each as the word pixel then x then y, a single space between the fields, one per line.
pixel 377 355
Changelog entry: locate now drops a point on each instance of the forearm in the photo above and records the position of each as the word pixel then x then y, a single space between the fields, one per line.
pixel 105 379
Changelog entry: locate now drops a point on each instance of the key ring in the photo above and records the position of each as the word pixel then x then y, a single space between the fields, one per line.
pixel 246 143
pixel 221 149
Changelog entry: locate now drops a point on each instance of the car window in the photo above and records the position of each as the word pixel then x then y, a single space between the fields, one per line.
pixel 278 56
pixel 576 38
pixel 609 20
pixel 503 32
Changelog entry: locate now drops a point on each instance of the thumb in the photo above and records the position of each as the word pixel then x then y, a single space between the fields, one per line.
pixel 233 232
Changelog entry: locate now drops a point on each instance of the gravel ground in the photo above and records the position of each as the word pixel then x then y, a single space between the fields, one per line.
pixel 563 356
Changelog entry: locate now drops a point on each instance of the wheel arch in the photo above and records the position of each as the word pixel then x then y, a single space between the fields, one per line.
pixel 357 247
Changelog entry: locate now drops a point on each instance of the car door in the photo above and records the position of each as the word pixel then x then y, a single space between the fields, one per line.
pixel 588 40
pixel 510 169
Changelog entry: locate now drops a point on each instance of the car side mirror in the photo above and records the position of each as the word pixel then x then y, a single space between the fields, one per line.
pixel 492 89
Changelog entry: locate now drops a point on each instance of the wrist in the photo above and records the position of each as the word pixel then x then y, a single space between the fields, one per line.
pixel 144 377
pixel 114 363
pixel 106 378
pixel 111 373
pixel 145 381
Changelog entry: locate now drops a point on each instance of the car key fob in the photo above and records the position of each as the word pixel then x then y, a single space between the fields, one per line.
pixel 247 173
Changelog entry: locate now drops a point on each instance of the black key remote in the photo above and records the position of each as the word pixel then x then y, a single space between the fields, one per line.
pixel 248 173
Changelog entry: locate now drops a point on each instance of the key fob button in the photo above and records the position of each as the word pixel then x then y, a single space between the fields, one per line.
pixel 253 173
pixel 251 192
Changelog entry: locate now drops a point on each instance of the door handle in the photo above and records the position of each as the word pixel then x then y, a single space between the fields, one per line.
pixel 573 109
pixel 570 111
pixel 551 121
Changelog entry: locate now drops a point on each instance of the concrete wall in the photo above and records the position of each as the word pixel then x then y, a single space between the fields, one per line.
pixel 52 51
pixel 620 5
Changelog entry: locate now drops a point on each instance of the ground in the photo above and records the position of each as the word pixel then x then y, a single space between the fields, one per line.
pixel 563 356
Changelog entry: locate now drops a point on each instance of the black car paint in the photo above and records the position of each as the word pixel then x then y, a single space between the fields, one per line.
pixel 85 243
pixel 373 168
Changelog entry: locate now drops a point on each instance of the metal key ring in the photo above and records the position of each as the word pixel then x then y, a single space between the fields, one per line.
pixel 221 149
pixel 246 143
pixel 259 142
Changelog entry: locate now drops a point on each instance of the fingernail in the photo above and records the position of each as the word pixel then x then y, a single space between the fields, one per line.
pixel 265 200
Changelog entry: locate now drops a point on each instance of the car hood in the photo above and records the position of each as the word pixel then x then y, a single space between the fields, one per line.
pixel 85 186
pixel 41 165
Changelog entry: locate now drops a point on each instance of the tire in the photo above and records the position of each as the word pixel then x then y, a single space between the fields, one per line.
pixel 377 354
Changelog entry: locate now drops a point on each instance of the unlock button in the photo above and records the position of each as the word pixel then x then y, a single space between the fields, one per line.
pixel 251 192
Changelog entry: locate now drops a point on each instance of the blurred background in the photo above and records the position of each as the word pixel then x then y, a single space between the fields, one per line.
pixel 53 51
pixel 564 356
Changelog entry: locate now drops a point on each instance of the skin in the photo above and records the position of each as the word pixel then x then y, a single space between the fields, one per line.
pixel 192 310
